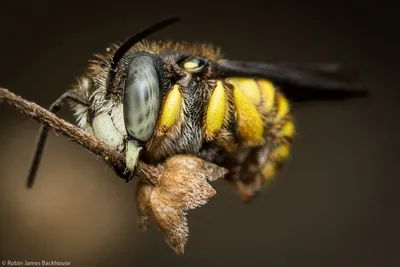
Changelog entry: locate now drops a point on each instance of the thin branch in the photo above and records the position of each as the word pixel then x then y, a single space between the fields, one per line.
pixel 111 156
pixel 165 192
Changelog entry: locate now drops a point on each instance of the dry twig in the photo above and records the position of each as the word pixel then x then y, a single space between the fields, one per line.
pixel 165 192
pixel 111 156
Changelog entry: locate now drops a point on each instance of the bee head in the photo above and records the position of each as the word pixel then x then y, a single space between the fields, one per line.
pixel 142 89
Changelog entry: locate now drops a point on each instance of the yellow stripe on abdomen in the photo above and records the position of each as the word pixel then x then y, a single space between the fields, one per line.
pixel 280 149
pixel 283 107
pixel 268 95
pixel 249 87
pixel 258 105
pixel 288 130
pixel 249 122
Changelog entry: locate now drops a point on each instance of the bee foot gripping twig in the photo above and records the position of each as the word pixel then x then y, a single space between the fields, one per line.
pixel 165 192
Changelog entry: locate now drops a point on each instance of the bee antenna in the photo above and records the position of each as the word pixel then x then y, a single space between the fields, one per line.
pixel 121 51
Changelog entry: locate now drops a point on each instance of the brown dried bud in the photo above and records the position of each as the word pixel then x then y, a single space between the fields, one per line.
pixel 182 186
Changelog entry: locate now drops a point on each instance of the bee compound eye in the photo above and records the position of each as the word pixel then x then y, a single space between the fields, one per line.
pixel 141 98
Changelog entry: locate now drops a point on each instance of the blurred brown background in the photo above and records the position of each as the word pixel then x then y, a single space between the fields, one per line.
pixel 334 204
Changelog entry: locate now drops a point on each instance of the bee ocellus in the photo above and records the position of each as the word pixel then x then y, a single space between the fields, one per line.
pixel 151 100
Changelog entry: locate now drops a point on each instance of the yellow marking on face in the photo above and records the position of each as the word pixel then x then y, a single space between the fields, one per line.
pixel 287 130
pixel 249 87
pixel 190 65
pixel 106 158
pixel 171 109
pixel 216 111
pixel 283 108
pixel 268 94
pixel 250 124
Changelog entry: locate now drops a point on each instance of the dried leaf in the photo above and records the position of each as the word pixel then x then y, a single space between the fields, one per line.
pixel 182 185
pixel 143 193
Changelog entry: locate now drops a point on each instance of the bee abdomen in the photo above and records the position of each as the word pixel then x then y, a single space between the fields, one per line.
pixel 247 99
pixel 259 106
pixel 280 128
pixel 263 121
pixel 281 136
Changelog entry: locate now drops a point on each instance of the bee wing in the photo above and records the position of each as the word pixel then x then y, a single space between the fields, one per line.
pixel 299 82
pixel 329 70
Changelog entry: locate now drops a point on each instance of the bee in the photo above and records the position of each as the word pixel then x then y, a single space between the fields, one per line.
pixel 154 99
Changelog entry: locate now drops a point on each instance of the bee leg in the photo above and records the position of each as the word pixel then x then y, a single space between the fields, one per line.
pixel 43 132
pixel 262 165
pixel 248 181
